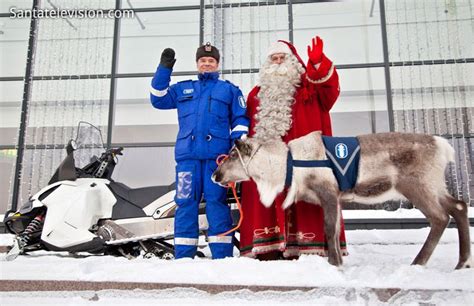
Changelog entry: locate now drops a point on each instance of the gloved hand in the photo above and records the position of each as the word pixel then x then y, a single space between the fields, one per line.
pixel 167 58
pixel 315 51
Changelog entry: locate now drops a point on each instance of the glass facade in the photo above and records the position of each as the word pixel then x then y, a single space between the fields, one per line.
pixel 403 65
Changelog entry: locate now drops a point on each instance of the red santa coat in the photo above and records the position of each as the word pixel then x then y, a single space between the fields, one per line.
pixel 299 229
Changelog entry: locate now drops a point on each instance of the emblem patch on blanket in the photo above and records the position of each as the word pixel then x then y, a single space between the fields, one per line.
pixel 343 154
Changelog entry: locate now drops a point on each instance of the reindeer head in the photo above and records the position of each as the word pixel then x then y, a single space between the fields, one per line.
pixel 234 168
pixel 262 161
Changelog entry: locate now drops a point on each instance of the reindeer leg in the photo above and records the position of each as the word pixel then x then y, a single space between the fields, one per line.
pixel 331 227
pixel 458 210
pixel 338 228
pixel 429 205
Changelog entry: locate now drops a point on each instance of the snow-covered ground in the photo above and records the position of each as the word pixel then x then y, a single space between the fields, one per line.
pixel 378 259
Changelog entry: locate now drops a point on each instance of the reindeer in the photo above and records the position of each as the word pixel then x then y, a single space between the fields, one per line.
pixel 391 166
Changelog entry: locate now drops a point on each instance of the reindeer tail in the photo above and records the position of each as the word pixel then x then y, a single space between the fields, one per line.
pixel 446 150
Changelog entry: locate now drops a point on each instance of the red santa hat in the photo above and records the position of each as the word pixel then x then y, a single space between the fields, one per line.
pixel 282 46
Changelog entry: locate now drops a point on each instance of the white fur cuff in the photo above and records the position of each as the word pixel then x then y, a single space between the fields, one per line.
pixel 323 79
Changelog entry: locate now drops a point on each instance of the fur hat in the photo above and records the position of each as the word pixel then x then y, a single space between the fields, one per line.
pixel 278 47
pixel 207 50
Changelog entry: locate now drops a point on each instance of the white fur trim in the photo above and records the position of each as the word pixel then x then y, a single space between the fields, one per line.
pixel 323 79
pixel 256 250
pixel 278 47
pixel 292 252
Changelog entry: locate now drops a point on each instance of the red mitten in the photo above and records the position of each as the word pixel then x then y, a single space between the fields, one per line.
pixel 315 51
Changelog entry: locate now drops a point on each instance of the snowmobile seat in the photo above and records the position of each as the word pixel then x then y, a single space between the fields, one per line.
pixel 140 197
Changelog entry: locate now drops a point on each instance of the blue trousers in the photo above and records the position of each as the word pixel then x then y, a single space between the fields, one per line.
pixel 193 178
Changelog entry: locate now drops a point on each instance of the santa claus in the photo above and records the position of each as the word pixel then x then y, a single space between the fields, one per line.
pixel 291 100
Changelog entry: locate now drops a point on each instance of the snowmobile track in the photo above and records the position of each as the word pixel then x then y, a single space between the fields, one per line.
pixel 383 294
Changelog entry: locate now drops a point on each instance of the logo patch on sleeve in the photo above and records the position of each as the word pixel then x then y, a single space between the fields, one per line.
pixel 242 102
pixel 188 91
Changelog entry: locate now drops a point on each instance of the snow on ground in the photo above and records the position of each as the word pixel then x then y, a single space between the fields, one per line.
pixel 378 259
pixel 183 296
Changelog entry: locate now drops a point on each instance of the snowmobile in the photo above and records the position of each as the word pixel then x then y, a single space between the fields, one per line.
pixel 82 209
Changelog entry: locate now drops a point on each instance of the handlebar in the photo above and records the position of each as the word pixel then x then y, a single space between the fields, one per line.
pixel 116 151
pixel 110 153
pixel 107 161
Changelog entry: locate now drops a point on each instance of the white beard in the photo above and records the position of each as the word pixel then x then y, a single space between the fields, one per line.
pixel 278 84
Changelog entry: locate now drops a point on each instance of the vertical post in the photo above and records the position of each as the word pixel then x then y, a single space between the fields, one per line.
pixel 24 105
pixel 219 32
pixel 388 84
pixel 201 23
pixel 113 74
pixel 290 20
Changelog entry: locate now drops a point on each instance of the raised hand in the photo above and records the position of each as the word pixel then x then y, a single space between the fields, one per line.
pixel 167 58
pixel 315 50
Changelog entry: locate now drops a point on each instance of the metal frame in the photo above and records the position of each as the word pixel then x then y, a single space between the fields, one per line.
pixel 201 23
pixel 234 71
pixel 24 106
pixel 290 21
pixel 388 84
pixel 113 76
pixel 113 80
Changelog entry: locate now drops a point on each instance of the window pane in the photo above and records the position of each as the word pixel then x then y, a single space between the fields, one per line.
pixel 433 99
pixel 7 168
pixel 58 106
pixel 140 167
pixel 13 46
pixel 362 106
pixel 424 30
pixel 80 46
pixel 140 48
pixel 11 94
pixel 247 32
pixel 350 30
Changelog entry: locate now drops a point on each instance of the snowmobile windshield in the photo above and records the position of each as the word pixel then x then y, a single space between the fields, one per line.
pixel 89 144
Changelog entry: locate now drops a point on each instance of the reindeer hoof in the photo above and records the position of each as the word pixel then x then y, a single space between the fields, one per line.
pixel 335 262
pixel 464 265
pixel 419 262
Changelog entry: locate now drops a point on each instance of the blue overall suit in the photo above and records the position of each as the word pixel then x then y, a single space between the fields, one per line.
pixel 211 115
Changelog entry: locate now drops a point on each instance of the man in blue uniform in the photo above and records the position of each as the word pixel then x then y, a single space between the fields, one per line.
pixel 211 115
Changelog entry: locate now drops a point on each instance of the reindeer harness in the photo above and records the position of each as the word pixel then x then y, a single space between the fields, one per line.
pixel 343 154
